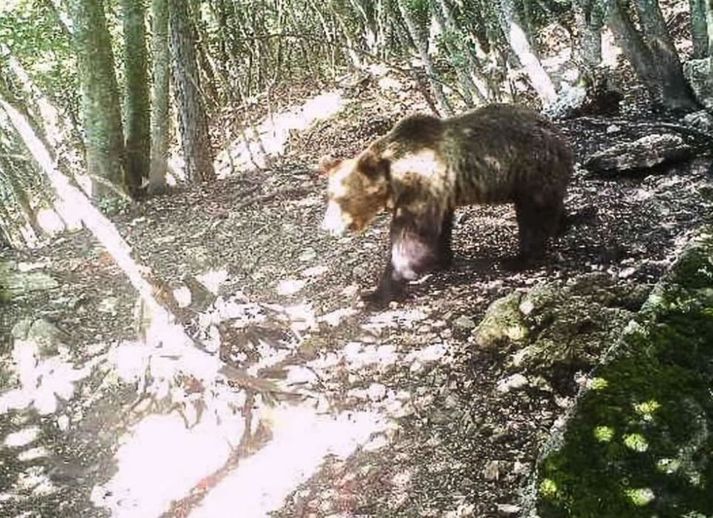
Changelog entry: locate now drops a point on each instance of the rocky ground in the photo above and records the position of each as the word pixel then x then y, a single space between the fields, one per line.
pixel 460 384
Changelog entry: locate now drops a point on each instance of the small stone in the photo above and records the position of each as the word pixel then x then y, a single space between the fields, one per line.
pixel 613 128
pixel 515 381
pixel 63 422
pixel 492 470
pixel 464 322
pixel 508 509
pixel 376 392
pixel 308 255
pixel 290 286
pixel 627 272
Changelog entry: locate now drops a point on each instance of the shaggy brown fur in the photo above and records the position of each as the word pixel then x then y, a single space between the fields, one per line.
pixel 426 167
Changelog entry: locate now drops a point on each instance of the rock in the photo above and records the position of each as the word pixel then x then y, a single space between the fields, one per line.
pixel 701 120
pixel 515 381
pixel 645 153
pixel 15 283
pixel 464 322
pixel 568 102
pixel 502 321
pixel 699 73
pixel 376 392
pixel 492 470
pixel 602 97
pixel 41 332
pixel 508 509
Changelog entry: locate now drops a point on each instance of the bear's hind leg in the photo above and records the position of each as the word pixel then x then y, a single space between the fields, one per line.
pixel 537 222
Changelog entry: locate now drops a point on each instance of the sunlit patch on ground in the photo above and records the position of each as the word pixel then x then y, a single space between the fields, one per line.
pixel 161 460
pixel 40 382
pixel 301 440
pixel 270 137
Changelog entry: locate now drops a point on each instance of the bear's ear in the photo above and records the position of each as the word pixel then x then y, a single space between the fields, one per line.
pixel 327 164
pixel 371 164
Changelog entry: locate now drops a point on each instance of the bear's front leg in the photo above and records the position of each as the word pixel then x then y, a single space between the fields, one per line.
pixel 414 252
pixel 389 288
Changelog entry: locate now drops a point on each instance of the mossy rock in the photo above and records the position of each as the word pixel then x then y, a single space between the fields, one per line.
pixel 641 438
pixel 14 283
pixel 502 322
pixel 571 325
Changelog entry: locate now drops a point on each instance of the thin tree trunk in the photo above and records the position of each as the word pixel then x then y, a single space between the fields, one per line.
pixel 159 98
pixel 588 46
pixel 100 98
pixel 699 27
pixel 195 140
pixel 474 64
pixel 106 233
pixel 136 101
pixel 516 37
pixel 422 46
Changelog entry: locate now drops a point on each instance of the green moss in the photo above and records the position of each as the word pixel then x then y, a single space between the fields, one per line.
pixel 641 443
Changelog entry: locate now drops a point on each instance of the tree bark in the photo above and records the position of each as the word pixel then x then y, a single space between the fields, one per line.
pixel 675 91
pixel 652 56
pixel 422 47
pixel 159 97
pixel 100 98
pixel 136 100
pixel 193 121
pixel 517 38
pixel 588 46
pixel 699 27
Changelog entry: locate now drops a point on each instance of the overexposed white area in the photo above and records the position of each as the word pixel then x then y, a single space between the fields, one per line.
pixel 40 382
pixel 302 439
pixel 22 437
pixel 162 460
pixel 270 137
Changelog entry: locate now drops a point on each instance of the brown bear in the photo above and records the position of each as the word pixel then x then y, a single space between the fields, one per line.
pixel 426 167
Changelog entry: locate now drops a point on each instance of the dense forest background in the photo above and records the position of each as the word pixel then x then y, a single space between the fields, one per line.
pixel 110 88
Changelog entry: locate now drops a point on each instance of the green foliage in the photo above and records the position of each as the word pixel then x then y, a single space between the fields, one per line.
pixel 35 35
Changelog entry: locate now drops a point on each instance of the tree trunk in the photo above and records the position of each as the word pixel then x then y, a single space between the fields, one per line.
pixel 193 121
pixel 468 90
pixel 159 97
pixel 473 65
pixel 136 101
pixel 658 70
pixel 675 91
pixel 587 48
pixel 100 98
pixel 699 27
pixel 516 37
pixel 422 46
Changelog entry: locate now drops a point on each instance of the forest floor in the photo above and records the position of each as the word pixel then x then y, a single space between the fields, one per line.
pixel 455 424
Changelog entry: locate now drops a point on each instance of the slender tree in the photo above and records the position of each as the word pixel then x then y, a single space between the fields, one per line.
pixel 136 99
pixel 193 121
pixel 516 36
pixel 159 97
pixel 100 98
pixel 422 47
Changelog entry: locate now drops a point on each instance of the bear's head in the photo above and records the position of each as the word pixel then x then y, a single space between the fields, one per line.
pixel 357 190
